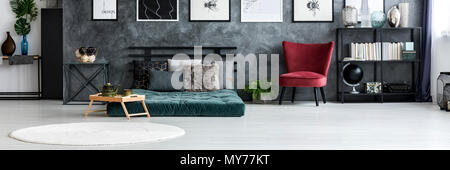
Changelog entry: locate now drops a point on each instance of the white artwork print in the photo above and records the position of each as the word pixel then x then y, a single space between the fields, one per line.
pixel 261 10
pixel 374 5
pixel 210 10
pixel 104 9
pixel 313 10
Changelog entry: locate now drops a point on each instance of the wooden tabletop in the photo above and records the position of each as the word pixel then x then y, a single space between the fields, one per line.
pixel 118 98
pixel 35 57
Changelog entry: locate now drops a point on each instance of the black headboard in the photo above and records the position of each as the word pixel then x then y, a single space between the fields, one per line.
pixel 150 52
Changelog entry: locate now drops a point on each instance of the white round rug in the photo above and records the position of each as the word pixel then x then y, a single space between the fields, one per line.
pixel 97 133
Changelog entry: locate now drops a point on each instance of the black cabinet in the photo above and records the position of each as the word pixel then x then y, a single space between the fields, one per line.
pixel 52 53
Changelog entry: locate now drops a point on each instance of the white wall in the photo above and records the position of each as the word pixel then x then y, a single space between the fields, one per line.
pixel 440 60
pixel 19 78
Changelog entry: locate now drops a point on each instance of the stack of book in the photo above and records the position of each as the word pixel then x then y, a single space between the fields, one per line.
pixel 378 51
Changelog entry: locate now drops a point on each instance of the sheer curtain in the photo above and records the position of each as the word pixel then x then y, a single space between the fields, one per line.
pixel 440 49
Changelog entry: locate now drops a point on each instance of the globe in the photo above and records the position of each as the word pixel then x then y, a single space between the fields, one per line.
pixel 353 74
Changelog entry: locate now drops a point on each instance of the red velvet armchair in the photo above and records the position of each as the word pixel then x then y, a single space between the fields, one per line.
pixel 307 66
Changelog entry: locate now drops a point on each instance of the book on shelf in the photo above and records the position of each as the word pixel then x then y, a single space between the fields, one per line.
pixel 377 51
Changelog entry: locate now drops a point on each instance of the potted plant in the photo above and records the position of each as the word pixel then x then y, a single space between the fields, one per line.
pixel 26 12
pixel 256 92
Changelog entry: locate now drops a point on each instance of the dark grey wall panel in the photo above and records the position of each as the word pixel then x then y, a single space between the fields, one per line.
pixel 113 38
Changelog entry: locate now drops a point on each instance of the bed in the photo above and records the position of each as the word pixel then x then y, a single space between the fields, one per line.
pixel 220 103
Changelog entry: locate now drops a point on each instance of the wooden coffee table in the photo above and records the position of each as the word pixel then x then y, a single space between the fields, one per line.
pixel 118 99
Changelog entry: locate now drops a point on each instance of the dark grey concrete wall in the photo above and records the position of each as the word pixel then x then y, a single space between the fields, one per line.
pixel 113 38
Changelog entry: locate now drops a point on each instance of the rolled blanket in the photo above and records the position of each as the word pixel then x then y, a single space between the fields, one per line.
pixel 20 59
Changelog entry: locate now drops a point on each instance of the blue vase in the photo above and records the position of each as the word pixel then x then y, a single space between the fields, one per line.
pixel 24 45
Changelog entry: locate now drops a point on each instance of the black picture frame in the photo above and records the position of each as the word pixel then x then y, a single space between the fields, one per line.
pixel 293 15
pixel 229 14
pixel 164 9
pixel 117 13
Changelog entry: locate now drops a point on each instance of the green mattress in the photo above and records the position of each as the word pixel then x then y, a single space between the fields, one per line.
pixel 220 103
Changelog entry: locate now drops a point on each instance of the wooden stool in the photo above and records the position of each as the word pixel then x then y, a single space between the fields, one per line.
pixel 118 99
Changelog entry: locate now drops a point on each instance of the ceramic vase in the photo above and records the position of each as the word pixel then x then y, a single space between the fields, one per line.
pixel 350 16
pixel 394 17
pixel 404 14
pixel 9 46
pixel 378 19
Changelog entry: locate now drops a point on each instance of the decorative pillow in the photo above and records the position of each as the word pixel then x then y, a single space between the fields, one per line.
pixel 142 72
pixel 197 77
pixel 211 77
pixel 193 77
pixel 162 81
pixel 187 77
pixel 178 65
pixel 201 78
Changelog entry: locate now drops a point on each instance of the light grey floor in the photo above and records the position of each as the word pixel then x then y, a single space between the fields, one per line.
pixel 291 126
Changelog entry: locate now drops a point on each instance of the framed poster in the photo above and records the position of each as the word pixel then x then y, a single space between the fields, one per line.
pixel 157 10
pixel 261 10
pixel 209 10
pixel 374 5
pixel 104 10
pixel 313 10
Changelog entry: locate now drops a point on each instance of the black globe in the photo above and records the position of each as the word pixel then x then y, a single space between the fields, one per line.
pixel 353 74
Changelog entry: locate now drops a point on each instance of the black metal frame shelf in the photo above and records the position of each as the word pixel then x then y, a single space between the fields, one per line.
pixel 378 36
pixel 379 94
pixel 25 95
pixel 73 69
pixel 378 61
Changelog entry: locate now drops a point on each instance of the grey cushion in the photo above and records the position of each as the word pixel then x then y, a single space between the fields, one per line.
pixel 161 81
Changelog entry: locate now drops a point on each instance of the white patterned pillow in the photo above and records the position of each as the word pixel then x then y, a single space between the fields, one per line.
pixel 178 65
pixel 197 77
pixel 211 77
pixel 187 77
pixel 193 77
pixel 201 78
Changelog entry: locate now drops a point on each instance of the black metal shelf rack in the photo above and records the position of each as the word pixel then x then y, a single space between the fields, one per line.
pixel 378 36
pixel 25 95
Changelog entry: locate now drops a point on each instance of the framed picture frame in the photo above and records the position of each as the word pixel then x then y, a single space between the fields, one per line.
pixel 104 10
pixel 374 5
pixel 313 11
pixel 209 10
pixel 261 10
pixel 157 11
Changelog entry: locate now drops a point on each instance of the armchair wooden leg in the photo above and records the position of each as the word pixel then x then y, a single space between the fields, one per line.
pixel 322 92
pixel 315 96
pixel 293 94
pixel 282 94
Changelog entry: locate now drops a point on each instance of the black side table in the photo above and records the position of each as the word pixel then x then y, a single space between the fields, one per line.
pixel 23 95
pixel 73 69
